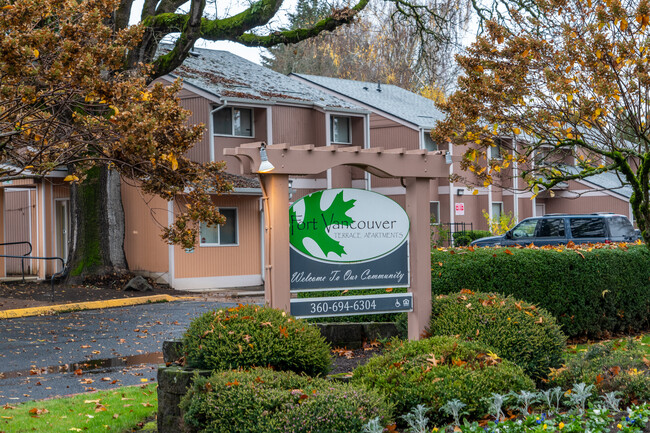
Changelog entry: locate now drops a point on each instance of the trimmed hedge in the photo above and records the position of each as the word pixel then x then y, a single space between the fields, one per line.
pixel 254 336
pixel 462 239
pixel 266 401
pixel 519 332
pixel 591 291
pixel 438 369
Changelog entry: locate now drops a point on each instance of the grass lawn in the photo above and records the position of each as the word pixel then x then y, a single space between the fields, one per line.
pixel 119 410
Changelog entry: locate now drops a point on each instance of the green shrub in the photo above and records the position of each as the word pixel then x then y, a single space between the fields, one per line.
pixel 610 367
pixel 438 369
pixel 262 400
pixel 591 291
pixel 462 239
pixel 519 332
pixel 250 335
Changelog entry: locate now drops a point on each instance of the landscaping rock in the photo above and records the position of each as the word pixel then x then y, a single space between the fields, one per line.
pixel 173 383
pixel 138 284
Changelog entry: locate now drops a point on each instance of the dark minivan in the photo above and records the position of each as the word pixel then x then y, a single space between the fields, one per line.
pixel 557 229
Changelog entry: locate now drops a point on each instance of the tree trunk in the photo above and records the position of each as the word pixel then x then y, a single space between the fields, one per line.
pixel 97 226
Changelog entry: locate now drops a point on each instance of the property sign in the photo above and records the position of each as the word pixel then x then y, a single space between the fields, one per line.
pixel 352 305
pixel 460 208
pixel 348 238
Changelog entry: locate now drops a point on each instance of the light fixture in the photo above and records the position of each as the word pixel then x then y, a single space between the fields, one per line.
pixel 460 191
pixel 448 158
pixel 265 165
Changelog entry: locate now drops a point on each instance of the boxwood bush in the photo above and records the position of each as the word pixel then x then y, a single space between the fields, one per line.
pixel 438 369
pixel 591 291
pixel 609 366
pixel 462 239
pixel 262 400
pixel 518 331
pixel 250 335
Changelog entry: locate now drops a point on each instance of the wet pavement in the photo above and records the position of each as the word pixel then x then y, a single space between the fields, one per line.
pixel 47 356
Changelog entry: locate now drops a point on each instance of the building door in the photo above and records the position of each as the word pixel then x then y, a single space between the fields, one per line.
pixel 540 209
pixel 18 217
pixel 62 209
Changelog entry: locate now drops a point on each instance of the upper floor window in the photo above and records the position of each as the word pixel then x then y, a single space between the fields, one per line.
pixel 221 235
pixel 340 130
pixel 234 121
pixel 495 152
pixel 429 144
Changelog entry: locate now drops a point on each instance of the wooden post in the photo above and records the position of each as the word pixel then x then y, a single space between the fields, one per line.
pixel 417 207
pixel 276 284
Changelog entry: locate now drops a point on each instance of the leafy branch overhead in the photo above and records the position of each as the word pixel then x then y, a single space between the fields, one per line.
pixel 561 93
pixel 66 101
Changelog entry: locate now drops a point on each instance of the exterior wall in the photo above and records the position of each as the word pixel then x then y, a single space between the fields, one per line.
pixel 219 266
pixel 389 134
pixel 144 216
pixel 298 125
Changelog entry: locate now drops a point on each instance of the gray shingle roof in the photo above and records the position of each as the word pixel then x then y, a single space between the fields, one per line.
pixel 228 76
pixel 609 181
pixel 392 100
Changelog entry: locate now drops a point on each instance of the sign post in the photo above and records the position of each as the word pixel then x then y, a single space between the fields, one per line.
pixel 330 246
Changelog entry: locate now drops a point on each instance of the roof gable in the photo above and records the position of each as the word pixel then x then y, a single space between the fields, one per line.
pixel 390 99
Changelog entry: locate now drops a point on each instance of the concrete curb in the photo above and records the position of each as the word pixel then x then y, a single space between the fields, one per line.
pixel 94 305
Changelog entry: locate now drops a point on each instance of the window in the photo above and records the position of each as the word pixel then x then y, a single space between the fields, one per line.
pixel 525 229
pixel 497 210
pixel 495 152
pixel 233 121
pixel 621 227
pixel 340 130
pixel 429 144
pixel 221 235
pixel 551 228
pixel 434 207
pixel 587 227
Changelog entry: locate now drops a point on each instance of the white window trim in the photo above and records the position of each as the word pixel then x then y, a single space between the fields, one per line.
pixel 232 124
pixel 210 245
pixel 349 119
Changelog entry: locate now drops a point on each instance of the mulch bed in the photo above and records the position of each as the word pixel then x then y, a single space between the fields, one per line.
pixel 17 294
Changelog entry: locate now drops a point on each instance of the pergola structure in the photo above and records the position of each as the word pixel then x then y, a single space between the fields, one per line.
pixel 415 168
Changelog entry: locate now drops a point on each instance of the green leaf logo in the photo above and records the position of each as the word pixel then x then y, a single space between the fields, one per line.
pixel 315 223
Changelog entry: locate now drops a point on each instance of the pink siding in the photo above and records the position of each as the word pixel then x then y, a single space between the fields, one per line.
pixel 200 108
pixel 243 259
pixel 144 216
pixel 586 204
pixel 297 125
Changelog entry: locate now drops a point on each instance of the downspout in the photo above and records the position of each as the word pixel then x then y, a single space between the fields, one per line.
pixel 515 180
pixel 366 145
pixel 266 240
pixel 211 129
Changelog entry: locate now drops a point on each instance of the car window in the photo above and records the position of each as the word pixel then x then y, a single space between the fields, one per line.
pixel 621 227
pixel 525 229
pixel 588 228
pixel 551 228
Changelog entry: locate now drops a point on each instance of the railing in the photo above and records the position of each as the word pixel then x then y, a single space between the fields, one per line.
pixel 22 258
pixel 442 234
pixel 27 256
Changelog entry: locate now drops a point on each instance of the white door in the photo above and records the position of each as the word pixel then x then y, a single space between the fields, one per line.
pixel 540 209
pixel 62 229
